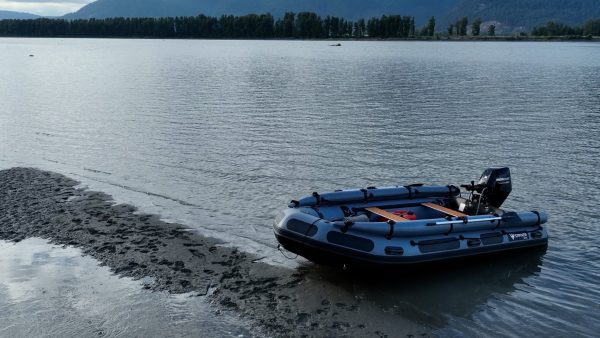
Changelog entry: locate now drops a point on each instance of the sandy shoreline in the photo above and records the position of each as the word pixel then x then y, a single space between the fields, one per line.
pixel 281 302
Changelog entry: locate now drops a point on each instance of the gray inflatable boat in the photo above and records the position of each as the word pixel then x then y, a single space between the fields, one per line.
pixel 408 225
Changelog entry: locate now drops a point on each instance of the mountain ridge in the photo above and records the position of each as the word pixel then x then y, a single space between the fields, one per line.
pixel 16 15
pixel 508 15
pixel 348 9
pixel 522 15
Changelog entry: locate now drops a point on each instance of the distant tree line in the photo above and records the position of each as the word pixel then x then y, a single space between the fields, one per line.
pixel 461 27
pixel 590 28
pixel 556 29
pixel 304 25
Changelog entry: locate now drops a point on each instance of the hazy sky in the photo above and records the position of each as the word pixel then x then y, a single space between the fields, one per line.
pixel 43 7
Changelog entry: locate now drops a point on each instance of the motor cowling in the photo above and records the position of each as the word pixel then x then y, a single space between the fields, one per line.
pixel 495 185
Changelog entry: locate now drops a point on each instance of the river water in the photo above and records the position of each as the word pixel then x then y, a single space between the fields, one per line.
pixel 220 135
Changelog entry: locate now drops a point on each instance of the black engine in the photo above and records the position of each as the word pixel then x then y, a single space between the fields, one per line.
pixel 493 187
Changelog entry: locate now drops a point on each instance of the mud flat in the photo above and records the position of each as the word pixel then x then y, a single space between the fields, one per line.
pixel 281 302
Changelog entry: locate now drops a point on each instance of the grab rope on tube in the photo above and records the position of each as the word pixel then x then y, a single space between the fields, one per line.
pixel 283 253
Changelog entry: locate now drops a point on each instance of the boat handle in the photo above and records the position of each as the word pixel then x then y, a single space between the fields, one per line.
pixel 462 221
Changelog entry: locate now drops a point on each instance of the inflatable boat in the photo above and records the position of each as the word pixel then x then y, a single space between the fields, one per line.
pixel 408 225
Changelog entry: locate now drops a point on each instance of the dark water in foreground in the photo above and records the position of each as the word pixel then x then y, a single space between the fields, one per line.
pixel 219 135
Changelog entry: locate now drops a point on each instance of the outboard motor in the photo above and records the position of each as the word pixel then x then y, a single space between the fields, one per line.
pixel 495 185
pixel 493 188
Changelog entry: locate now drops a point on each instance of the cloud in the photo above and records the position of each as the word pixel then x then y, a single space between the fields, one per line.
pixel 43 7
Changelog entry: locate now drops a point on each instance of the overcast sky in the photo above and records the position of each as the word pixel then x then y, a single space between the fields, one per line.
pixel 43 7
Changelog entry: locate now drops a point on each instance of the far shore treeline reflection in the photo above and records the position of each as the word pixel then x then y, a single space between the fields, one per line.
pixel 304 25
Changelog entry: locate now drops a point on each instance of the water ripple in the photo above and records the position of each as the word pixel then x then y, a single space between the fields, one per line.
pixel 222 134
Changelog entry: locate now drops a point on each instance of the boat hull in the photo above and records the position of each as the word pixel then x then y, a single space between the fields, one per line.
pixel 332 255
pixel 320 229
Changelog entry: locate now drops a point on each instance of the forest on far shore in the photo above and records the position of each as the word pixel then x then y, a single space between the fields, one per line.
pixel 304 25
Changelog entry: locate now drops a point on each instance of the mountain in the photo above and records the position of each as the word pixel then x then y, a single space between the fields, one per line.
pixel 507 15
pixel 522 15
pixel 349 9
pixel 16 15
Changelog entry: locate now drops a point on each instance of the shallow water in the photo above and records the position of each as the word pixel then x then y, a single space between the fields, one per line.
pixel 50 291
pixel 220 135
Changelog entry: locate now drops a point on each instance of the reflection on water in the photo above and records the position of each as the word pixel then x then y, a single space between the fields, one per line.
pixel 50 291
pixel 220 135
pixel 442 293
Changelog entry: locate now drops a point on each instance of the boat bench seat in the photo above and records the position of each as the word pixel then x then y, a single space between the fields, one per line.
pixel 387 215
pixel 444 210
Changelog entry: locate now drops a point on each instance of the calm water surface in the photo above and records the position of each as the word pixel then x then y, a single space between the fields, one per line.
pixel 220 135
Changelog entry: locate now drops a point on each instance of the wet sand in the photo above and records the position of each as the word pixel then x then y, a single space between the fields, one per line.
pixel 280 302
